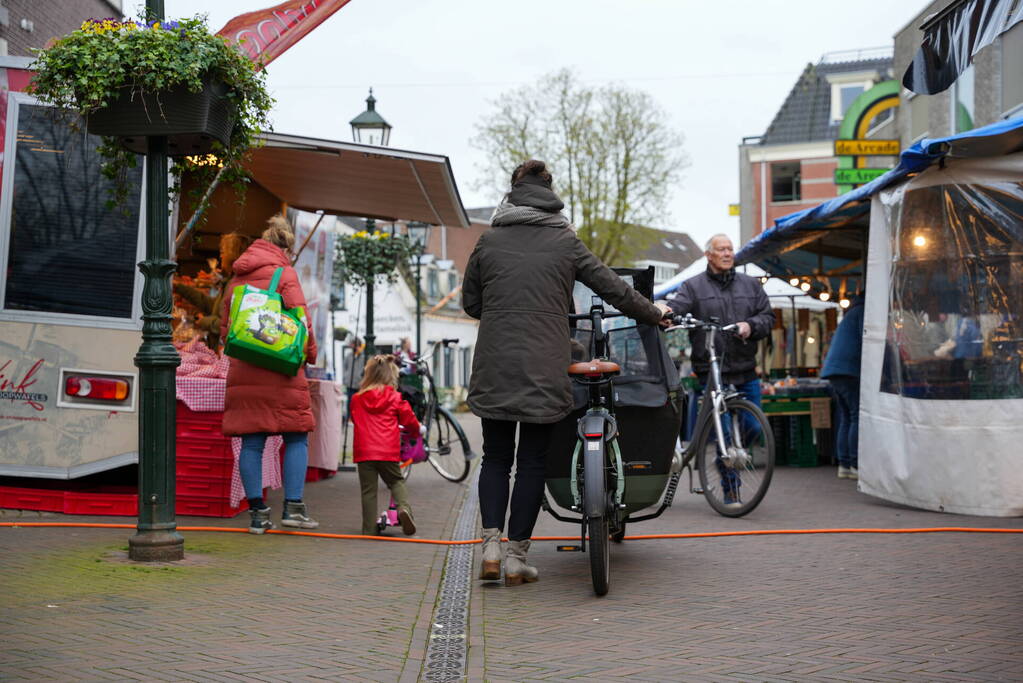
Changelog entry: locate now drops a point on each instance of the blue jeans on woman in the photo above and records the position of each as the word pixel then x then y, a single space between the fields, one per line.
pixel 847 436
pixel 296 459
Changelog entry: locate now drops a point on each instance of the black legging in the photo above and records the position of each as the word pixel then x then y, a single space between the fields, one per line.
pixel 530 467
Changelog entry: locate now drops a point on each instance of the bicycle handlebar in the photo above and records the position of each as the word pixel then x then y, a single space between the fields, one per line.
pixel 587 316
pixel 688 322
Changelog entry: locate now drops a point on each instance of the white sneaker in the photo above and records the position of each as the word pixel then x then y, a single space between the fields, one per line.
pixel 854 473
pixel 845 472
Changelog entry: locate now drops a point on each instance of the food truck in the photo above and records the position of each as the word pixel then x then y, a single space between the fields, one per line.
pixel 70 312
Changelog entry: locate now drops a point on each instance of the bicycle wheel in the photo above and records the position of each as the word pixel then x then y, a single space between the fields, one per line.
pixel 600 553
pixel 447 446
pixel 735 482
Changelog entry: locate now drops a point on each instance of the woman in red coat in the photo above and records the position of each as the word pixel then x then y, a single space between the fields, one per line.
pixel 261 402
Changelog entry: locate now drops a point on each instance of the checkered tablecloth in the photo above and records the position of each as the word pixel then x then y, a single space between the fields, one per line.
pixel 201 388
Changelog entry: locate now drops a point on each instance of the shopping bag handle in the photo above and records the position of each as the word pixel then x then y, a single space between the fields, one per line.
pixel 275 279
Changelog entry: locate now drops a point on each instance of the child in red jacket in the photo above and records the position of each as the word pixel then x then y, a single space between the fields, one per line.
pixel 377 411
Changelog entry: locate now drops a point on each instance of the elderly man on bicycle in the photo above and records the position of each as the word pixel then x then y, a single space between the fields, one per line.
pixel 731 297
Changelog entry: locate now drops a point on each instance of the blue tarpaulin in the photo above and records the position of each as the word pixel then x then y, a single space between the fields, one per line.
pixel 777 249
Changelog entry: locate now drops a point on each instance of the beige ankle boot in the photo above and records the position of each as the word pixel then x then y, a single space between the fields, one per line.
pixel 490 568
pixel 516 570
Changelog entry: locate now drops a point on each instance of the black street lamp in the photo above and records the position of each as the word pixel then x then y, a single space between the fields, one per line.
pixel 369 127
pixel 419 233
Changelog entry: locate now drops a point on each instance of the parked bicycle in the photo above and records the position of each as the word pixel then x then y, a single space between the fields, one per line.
pixel 447 446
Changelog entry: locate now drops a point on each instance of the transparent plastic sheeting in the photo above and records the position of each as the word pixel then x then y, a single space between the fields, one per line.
pixel 941 418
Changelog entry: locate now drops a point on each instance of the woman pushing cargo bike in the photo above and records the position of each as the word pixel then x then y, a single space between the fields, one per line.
pixel 519 283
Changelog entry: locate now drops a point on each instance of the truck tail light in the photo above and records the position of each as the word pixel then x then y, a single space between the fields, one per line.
pixel 96 388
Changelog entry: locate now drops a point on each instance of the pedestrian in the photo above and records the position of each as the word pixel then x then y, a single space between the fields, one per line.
pixel 731 297
pixel 378 412
pixel 260 402
pixel 351 369
pixel 519 283
pixel 842 370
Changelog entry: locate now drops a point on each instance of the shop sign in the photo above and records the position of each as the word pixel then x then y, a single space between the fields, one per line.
pixel 857 176
pixel 867 147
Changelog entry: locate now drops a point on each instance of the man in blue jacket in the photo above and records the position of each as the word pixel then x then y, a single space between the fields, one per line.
pixel 731 297
pixel 842 370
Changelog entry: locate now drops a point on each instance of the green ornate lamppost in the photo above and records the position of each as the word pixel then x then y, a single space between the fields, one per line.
pixel 156 538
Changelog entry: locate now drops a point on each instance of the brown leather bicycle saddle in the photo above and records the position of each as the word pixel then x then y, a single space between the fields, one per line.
pixel 594 367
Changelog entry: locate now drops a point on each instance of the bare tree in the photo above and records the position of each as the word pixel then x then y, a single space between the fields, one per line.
pixel 614 156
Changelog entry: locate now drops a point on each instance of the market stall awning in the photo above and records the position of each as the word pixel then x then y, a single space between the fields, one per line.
pixel 349 179
pixel 828 239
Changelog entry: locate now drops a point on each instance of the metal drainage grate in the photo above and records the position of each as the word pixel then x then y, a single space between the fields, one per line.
pixel 446 651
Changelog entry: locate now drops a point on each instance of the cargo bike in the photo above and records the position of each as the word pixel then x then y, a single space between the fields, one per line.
pixel 619 456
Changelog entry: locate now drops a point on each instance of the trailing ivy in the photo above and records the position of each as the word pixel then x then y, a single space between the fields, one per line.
pixel 90 68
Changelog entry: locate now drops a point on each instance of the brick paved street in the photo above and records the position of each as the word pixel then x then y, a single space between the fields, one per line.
pixel 927 607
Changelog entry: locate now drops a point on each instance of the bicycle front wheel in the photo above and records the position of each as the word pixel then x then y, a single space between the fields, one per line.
pixel 600 553
pixel 447 446
pixel 734 482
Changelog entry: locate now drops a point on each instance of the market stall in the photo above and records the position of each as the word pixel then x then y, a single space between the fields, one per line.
pixel 941 413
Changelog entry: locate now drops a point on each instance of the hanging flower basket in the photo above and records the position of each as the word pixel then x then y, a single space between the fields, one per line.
pixel 192 121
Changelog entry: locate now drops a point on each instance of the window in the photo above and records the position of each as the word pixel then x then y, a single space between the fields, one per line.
pixel 845 88
pixel 662 273
pixel 432 284
pixel 962 101
pixel 449 366
pixel 919 122
pixel 454 301
pixel 847 95
pixel 466 365
pixel 1012 71
pixel 954 324
pixel 785 182
pixel 66 252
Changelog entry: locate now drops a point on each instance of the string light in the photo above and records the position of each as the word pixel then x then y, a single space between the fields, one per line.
pixel 794 282
pixel 844 302
pixel 805 286
pixel 824 296
pixel 919 241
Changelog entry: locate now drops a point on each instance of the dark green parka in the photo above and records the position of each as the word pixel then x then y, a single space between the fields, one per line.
pixel 519 283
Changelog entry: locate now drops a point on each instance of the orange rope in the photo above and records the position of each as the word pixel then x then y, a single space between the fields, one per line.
pixel 645 537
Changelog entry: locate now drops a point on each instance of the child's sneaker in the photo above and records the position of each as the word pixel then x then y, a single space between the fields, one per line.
pixel 260 520
pixel 408 525
pixel 294 515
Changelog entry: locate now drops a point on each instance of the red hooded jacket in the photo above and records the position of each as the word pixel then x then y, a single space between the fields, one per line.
pixel 257 399
pixel 376 414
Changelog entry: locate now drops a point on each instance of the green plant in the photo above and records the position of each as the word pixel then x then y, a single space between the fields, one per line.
pixel 91 67
pixel 365 256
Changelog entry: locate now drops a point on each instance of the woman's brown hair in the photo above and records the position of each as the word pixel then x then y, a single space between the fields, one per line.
pixel 381 371
pixel 533 167
pixel 279 232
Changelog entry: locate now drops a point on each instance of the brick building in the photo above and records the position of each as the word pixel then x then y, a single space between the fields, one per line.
pixel 26 24
pixel 791 166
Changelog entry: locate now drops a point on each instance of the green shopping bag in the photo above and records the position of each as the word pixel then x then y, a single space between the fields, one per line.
pixel 262 332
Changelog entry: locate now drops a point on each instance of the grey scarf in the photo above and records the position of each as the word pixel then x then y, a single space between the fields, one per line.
pixel 509 214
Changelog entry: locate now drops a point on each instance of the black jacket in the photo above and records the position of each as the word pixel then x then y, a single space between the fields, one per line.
pixel 519 285
pixel 730 297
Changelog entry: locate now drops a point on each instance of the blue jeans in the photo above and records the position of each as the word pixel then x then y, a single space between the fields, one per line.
pixel 730 480
pixel 296 458
pixel 847 436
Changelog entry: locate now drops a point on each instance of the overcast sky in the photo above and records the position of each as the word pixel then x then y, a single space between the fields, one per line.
pixel 720 68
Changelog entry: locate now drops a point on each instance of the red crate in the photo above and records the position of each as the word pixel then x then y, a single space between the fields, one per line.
pixel 318 473
pixel 207 507
pixel 199 425
pixel 203 447
pixel 190 467
pixel 105 500
pixel 48 500
pixel 204 487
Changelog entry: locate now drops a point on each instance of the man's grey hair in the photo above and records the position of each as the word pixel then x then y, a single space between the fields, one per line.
pixel 710 242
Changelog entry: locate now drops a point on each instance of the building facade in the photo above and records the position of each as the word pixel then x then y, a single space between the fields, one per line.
pixel 27 24
pixel 989 90
pixel 792 165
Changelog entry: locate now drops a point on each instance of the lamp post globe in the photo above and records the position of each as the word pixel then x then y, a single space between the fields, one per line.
pixel 370 127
